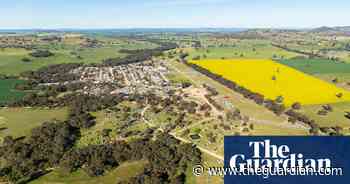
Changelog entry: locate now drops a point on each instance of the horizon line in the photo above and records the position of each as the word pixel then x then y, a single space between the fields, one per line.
pixel 161 27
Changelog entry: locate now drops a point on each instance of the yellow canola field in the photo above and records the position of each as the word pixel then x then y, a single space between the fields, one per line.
pixel 272 80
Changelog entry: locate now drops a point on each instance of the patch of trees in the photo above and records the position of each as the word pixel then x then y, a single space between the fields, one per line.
pixel 213 102
pixel 196 58
pixel 327 107
pixel 91 43
pixel 167 158
pixel 211 90
pixel 87 103
pixel 332 131
pixel 41 53
pixel 53 73
pixel 4 77
pixel 51 39
pixel 347 47
pixel 190 107
pixel 27 85
pixel 186 84
pixel 180 121
pixel 211 137
pixel 168 161
pixel 52 89
pixel 275 107
pixel 296 116
pixel 205 107
pixel 26 60
pixel 197 44
pixel 234 115
pixel 310 54
pixel 77 101
pixel 296 106
pixel 182 56
pixel 347 115
pixel 43 149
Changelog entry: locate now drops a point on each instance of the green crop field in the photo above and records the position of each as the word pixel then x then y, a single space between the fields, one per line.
pixel 7 91
pixel 318 66
pixel 19 121
pixel 324 69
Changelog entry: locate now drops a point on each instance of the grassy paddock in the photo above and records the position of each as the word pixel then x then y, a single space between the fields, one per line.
pixel 318 66
pixel 334 118
pixel 121 173
pixel 261 49
pixel 11 59
pixel 7 91
pixel 20 121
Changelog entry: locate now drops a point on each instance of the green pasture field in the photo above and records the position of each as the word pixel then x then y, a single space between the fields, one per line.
pixel 7 91
pixel 11 59
pixel 121 173
pixel 318 66
pixel 327 70
pixel 261 49
pixel 332 119
pixel 19 121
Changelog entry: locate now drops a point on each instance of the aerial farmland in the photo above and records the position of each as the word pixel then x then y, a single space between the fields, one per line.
pixel 194 88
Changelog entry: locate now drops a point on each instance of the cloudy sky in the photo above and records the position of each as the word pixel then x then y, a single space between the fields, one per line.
pixel 172 13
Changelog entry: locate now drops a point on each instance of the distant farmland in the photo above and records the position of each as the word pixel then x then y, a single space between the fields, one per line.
pixel 318 66
pixel 7 91
pixel 275 80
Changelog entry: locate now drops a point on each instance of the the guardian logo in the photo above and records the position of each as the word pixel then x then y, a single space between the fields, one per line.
pixel 268 155
pixel 286 159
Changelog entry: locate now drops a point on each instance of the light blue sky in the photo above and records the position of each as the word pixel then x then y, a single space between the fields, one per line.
pixel 172 13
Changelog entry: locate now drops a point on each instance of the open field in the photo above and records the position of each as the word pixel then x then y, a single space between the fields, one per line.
pixel 123 172
pixel 318 66
pixel 11 58
pixel 261 49
pixel 7 91
pixel 20 121
pixel 334 118
pixel 274 80
pixel 327 70
pixel 13 64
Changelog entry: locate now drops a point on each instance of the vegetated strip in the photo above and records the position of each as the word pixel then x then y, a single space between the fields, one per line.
pixel 310 54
